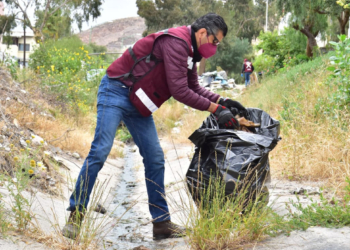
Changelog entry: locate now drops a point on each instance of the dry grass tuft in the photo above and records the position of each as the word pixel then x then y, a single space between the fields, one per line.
pixel 61 132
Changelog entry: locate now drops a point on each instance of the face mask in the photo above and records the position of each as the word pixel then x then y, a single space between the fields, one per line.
pixel 207 50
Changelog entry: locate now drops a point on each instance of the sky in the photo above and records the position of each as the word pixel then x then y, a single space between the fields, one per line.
pixel 110 10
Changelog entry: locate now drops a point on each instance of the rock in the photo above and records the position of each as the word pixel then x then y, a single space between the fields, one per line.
pixel 306 190
pixel 37 140
pixel 76 155
pixel 23 91
pixel 7 149
pixel 8 99
pixel 52 182
pixel 133 149
pixel 16 123
pixel 23 143
pixel 48 153
pixel 176 130
pixel 141 248
pixel 56 150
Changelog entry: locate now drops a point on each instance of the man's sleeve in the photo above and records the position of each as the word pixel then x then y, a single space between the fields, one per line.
pixel 243 68
pixel 194 85
pixel 175 56
pixel 252 67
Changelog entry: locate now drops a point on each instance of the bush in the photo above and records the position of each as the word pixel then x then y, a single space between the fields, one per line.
pixel 64 65
pixel 264 63
pixel 287 49
pixel 341 73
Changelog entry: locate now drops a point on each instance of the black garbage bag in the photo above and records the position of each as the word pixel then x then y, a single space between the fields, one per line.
pixel 233 157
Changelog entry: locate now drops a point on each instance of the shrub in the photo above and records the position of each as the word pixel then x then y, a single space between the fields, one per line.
pixel 264 63
pixel 64 65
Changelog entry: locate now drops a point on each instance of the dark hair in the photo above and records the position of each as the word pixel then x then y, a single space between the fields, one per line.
pixel 211 22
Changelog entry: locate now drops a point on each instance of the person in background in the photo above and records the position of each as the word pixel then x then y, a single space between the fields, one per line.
pixel 247 69
pixel 159 66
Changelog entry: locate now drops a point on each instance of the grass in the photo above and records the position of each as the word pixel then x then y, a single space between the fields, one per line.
pixel 314 145
pixel 94 228
pixel 20 216
pixel 228 222
pixel 57 123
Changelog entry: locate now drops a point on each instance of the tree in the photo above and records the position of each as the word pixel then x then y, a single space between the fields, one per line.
pixel 80 10
pixel 230 54
pixel 162 14
pixel 331 8
pixel 305 19
pixel 7 23
pixel 57 25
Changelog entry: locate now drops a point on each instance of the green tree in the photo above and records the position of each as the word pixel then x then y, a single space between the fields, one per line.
pixel 305 19
pixel 230 54
pixel 162 14
pixel 281 47
pixel 79 10
pixel 57 25
pixel 247 17
pixel 7 23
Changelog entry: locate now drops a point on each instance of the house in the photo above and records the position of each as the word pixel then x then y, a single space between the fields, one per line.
pixel 15 49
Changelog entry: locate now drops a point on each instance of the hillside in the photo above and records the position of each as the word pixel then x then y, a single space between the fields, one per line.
pixel 115 34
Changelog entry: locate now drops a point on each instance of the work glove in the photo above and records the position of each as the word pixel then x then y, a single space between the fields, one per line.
pixel 241 74
pixel 235 107
pixel 225 118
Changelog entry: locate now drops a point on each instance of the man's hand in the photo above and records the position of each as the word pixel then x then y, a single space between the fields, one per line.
pixel 232 105
pixel 225 118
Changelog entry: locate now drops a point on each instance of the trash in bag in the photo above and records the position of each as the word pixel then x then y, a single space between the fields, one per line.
pixel 232 156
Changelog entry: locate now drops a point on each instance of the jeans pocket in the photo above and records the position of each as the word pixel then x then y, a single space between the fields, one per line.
pixel 115 85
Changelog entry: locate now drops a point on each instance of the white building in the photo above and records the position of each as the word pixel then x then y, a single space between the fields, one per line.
pixel 16 47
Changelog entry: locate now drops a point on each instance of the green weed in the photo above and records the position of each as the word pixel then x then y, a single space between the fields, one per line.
pixel 4 221
pixel 123 134
pixel 322 213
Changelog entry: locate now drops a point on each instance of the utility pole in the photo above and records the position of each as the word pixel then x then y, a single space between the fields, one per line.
pixel 267 14
pixel 24 45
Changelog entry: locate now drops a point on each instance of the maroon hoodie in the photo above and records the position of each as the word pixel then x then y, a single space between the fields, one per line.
pixel 182 83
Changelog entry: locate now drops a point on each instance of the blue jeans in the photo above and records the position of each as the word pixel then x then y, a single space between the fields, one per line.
pixel 113 106
pixel 247 78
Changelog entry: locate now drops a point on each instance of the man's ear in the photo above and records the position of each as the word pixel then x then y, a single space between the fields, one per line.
pixel 202 32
